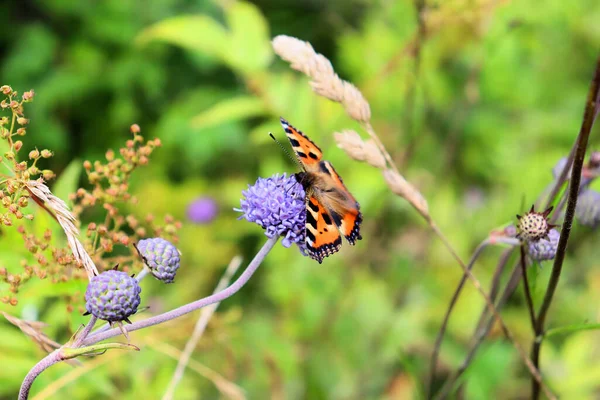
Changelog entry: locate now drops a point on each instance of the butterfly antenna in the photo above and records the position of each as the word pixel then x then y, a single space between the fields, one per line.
pixel 286 152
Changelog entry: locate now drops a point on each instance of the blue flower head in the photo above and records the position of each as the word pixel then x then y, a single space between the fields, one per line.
pixel 277 204
pixel 588 208
pixel 545 248
pixel 202 210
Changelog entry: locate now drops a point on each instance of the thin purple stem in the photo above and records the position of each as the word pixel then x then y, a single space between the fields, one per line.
pixel 86 331
pixel 178 312
pixel 41 366
pixel 526 288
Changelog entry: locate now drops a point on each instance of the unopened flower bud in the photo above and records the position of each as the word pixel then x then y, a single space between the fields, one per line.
pixel 34 154
pixel 22 121
pixel 48 174
pixel 46 153
pixel 17 145
pixel 21 131
pixel 28 96
pixel 7 90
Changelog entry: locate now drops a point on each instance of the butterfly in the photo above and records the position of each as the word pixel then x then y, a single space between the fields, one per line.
pixel 331 211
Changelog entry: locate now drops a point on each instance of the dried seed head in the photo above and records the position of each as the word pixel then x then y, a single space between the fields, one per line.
pixel 353 145
pixel 404 189
pixel 324 81
pixel 534 226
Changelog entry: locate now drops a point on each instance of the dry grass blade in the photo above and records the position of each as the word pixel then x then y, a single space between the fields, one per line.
pixel 223 385
pixel 66 221
pixel 360 150
pixel 324 81
pixel 33 329
pixel 404 189
pixel 201 324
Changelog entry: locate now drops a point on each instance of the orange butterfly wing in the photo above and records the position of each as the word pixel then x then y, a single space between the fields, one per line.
pixel 331 209
pixel 349 218
pixel 309 154
pixel 322 236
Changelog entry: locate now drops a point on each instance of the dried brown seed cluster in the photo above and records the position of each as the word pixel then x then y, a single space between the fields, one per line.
pixel 110 181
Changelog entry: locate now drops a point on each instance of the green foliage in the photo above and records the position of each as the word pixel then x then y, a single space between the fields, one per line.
pixel 475 113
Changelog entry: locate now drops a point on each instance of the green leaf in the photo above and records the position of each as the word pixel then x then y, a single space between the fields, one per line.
pixel 96 349
pixel 570 329
pixel 197 33
pixel 250 45
pixel 229 110
pixel 68 181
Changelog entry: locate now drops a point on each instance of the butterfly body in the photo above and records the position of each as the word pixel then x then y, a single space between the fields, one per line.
pixel 331 210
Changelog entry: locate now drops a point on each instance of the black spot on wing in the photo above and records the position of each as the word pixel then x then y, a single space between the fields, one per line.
pixel 310 220
pixel 290 129
pixel 326 218
pixel 313 207
pixel 294 142
pixel 336 218
pixel 301 154
pixel 323 168
pixel 313 156
pixel 310 236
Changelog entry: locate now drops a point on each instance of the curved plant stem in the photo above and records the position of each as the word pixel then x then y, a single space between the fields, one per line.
pixel 178 312
pixel 581 147
pixel 530 366
pixel 58 355
pixel 528 298
pixel 86 331
pixel 485 324
pixel 453 301
pixel 41 366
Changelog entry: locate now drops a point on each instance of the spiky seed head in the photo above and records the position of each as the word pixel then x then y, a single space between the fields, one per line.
pixel 113 296
pixel 161 257
pixel 534 225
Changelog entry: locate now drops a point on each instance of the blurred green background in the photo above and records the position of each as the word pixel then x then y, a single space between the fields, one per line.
pixel 476 107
